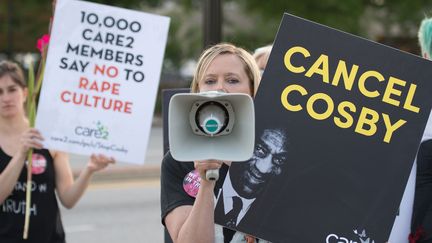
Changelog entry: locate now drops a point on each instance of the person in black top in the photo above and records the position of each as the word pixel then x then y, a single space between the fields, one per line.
pixel 421 222
pixel 190 218
pixel 51 172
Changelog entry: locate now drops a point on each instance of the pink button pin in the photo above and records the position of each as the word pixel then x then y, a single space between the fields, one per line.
pixel 191 183
pixel 39 164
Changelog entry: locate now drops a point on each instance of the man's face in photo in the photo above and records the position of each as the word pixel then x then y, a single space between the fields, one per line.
pixel 249 178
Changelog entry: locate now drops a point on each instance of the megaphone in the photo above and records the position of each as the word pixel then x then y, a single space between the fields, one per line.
pixel 211 125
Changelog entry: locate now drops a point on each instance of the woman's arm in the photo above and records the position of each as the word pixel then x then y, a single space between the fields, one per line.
pixel 10 175
pixel 69 192
pixel 195 223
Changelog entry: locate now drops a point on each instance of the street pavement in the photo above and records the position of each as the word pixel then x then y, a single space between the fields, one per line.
pixel 116 212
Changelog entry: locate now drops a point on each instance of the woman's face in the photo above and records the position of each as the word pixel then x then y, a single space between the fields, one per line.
pixel 12 97
pixel 226 73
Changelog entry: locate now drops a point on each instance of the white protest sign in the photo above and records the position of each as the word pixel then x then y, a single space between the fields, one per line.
pixel 101 79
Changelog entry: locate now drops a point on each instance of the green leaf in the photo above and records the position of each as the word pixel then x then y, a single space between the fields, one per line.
pixel 32 114
pixel 40 79
pixel 30 88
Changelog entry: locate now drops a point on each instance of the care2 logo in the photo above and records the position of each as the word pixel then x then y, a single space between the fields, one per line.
pixel 99 131
pixel 333 238
pixel 363 238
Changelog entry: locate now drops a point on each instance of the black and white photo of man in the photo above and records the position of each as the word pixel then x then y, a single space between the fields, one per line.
pixel 246 180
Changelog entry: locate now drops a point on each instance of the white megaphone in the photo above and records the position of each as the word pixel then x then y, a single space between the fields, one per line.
pixel 211 125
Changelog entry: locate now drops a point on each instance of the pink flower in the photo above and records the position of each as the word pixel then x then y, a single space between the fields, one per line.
pixel 43 42
pixel 417 235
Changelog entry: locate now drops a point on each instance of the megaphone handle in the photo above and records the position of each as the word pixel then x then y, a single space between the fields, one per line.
pixel 212 175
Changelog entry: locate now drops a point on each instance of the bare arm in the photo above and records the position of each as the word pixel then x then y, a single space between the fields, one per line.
pixel 69 192
pixel 10 175
pixel 195 223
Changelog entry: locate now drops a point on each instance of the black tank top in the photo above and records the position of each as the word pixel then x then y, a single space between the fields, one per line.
pixel 45 220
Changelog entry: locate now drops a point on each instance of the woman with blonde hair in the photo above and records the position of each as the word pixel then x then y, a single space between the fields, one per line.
pixel 190 218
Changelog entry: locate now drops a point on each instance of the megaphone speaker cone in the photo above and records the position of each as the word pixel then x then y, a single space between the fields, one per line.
pixel 211 125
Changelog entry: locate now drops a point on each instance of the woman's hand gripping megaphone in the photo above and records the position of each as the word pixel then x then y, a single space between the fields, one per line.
pixel 208 169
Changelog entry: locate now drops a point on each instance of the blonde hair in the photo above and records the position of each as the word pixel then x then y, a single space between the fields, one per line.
pixel 262 55
pixel 211 53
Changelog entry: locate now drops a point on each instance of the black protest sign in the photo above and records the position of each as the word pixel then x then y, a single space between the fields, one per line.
pixel 354 112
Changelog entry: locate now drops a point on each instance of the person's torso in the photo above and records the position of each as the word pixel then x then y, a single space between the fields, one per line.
pixel 45 221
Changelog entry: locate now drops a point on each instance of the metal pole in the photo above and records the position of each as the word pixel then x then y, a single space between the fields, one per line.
pixel 212 15
pixel 9 27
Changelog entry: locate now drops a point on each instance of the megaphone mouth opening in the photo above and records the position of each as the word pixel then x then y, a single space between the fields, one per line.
pixel 189 143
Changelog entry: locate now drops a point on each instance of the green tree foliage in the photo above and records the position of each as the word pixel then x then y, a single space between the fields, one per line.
pixel 23 22
pixel 248 23
pixel 353 16
pixel 129 3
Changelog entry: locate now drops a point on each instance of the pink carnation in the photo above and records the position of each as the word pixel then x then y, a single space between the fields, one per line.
pixel 42 42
